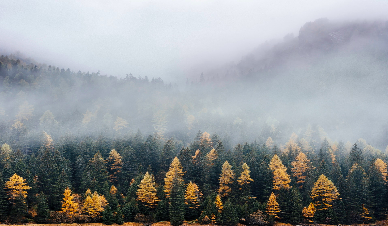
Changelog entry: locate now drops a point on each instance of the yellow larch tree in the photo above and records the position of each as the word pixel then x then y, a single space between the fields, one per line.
pixel 120 124
pixel 205 142
pixel 245 177
pixel 382 167
pixel 324 193
pixel 218 203
pixel 175 171
pixel 226 179
pixel 192 195
pixel 211 156
pixel 69 206
pixel 300 167
pixel 147 191
pixel 365 215
pixel 291 145
pixel 112 190
pixel 269 143
pixel 276 163
pixel 16 187
pixel 308 212
pixel 281 180
pixel 273 206
pixel 94 204
pixel 115 164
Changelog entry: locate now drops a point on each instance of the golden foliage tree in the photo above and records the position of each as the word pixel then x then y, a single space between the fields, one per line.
pixel 192 195
pixel 281 180
pixel 211 156
pixel 245 177
pixel 269 143
pixel 69 207
pixel 147 191
pixel 120 124
pixel 276 163
pixel 16 187
pixel 308 212
pixel 218 203
pixel 382 167
pixel 300 167
pixel 175 170
pixel 94 204
pixel 324 193
pixel 115 164
pixel 273 206
pixel 226 179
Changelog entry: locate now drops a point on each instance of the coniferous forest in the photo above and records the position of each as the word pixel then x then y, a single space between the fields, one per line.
pixel 84 147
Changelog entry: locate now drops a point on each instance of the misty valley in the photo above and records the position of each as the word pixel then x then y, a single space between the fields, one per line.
pixel 295 132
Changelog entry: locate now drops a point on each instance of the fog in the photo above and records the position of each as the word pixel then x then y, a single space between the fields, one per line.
pixel 167 39
pixel 245 72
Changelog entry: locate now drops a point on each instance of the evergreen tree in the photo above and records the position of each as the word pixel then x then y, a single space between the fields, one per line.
pixel 95 175
pixel 377 189
pixel 229 214
pixel 357 193
pixel 177 204
pixel 43 212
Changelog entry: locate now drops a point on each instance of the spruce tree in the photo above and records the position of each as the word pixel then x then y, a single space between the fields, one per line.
pixel 43 212
pixel 177 202
pixel 229 214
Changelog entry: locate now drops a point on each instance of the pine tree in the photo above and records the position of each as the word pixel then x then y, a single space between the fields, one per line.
pixel 175 170
pixel 147 191
pixel 273 206
pixel 69 207
pixel 377 189
pixel 229 214
pixel 95 174
pixel 357 193
pixel 226 179
pixel 176 202
pixel 4 204
pixel 43 211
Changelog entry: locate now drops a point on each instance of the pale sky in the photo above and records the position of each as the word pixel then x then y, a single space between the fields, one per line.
pixel 160 38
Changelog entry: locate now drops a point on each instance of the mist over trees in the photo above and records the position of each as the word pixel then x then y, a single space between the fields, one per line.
pixel 295 132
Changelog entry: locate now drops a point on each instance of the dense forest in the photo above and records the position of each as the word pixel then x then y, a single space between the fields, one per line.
pixel 86 147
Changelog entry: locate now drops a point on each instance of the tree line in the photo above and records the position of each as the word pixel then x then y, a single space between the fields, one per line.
pixel 150 179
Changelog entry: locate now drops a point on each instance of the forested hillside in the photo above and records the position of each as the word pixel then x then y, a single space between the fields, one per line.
pixel 295 133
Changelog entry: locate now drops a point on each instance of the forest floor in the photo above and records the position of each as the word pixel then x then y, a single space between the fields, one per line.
pixel 165 223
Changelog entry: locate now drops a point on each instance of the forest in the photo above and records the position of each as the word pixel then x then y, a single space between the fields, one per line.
pixel 84 147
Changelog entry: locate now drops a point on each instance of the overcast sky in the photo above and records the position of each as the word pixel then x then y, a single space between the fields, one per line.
pixel 159 38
